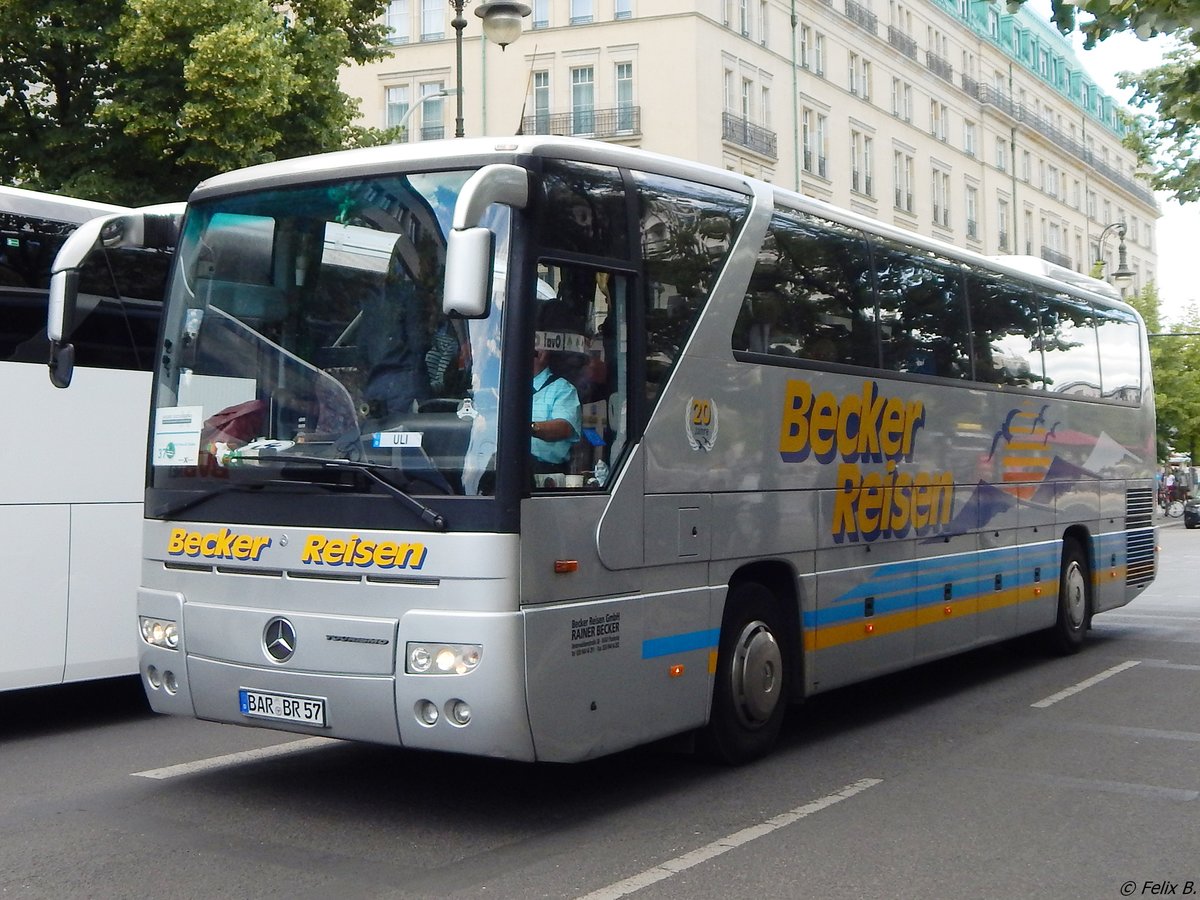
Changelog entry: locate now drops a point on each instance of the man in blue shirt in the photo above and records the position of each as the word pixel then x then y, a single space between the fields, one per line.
pixel 557 418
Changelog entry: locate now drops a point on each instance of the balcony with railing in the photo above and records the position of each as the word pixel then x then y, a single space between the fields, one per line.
pixel 619 121
pixel 939 66
pixel 1001 101
pixel 862 17
pixel 902 42
pixel 739 131
pixel 970 85
pixel 1056 257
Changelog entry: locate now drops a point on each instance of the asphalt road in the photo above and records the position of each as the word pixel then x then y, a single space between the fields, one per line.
pixel 1002 773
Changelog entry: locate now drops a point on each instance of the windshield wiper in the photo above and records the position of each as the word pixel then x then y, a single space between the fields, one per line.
pixel 427 515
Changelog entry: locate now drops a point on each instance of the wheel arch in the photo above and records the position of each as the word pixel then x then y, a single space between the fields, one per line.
pixel 779 578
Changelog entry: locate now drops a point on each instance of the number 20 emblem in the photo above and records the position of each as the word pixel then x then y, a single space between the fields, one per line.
pixel 701 423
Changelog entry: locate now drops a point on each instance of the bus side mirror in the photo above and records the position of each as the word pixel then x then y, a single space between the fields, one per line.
pixel 470 247
pixel 62 363
pixel 153 226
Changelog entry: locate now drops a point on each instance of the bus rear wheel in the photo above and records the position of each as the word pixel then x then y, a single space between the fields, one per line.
pixel 1074 600
pixel 750 691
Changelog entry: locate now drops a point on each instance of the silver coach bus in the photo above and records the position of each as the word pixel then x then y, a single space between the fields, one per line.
pixel 542 448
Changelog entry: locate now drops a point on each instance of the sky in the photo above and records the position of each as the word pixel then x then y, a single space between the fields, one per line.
pixel 1178 232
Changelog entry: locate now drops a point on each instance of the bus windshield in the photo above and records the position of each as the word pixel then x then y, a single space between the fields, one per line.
pixel 306 324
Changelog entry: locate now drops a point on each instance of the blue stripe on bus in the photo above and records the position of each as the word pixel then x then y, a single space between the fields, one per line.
pixel 915 583
pixel 681 643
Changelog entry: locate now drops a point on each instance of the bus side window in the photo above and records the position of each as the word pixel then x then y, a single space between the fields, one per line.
pixel 922 313
pixel 687 231
pixel 1004 320
pixel 810 295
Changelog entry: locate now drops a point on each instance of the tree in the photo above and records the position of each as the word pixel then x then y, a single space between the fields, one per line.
pixel 1167 138
pixel 1175 362
pixel 136 101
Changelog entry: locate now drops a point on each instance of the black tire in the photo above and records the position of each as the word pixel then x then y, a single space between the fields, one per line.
pixel 1074 600
pixel 752 679
pixel 1187 524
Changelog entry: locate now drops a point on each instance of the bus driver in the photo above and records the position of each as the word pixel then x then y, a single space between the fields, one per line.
pixel 557 418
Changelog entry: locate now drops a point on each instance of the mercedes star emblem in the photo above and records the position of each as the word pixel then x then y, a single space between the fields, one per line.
pixel 279 639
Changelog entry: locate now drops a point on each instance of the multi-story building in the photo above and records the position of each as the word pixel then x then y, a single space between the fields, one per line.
pixel 952 118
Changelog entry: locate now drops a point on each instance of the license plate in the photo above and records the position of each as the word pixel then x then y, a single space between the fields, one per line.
pixel 282 707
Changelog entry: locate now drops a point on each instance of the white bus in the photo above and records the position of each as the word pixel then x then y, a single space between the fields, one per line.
pixel 779 448
pixel 70 498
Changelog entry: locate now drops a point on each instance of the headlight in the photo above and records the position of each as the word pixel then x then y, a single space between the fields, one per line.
pixel 441 659
pixel 160 633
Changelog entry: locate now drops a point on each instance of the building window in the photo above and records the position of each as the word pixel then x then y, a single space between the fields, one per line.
pixel 866 79
pixel 433 125
pixel 822 145
pixel 762 22
pixel 806 138
pixel 625 96
pixel 969 138
pixel 819 55
pixel 397 104
pixel 583 100
pixel 541 13
pixel 941 198
pixel 623 9
pixel 1002 154
pixel 861 151
pixel 852 74
pixel 747 99
pixel 1026 166
pixel 728 90
pixel 902 176
pixel 433 20
pixel 398 21
pixel 541 102
pixel 1002 225
pixel 805 47
pixel 581 12
pixel 765 106
pixel 744 17
pixel 972 198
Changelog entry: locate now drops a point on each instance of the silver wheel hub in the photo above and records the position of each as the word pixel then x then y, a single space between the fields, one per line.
pixel 757 673
pixel 1076 595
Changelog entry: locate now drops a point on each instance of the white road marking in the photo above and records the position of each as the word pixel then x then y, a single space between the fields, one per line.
pixel 1086 683
pixel 724 845
pixel 236 759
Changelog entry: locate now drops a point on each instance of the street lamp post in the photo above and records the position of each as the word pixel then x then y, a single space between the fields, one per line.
pixel 501 25
pixel 1122 275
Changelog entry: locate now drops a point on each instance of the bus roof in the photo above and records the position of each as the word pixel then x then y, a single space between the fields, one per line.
pixel 477 151
pixel 53 207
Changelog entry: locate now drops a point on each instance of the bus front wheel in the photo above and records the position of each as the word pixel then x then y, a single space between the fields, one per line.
pixel 1074 599
pixel 750 691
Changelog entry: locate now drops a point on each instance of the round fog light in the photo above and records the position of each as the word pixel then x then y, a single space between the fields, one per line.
pixel 459 712
pixel 152 677
pixel 427 712
pixel 170 683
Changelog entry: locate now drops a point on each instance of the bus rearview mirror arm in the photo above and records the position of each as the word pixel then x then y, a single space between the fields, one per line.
pixel 470 247
pixel 153 227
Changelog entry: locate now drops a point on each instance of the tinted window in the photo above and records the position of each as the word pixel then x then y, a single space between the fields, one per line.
pixel 1069 348
pixel 1004 319
pixel 1120 354
pixel 922 313
pixel 584 210
pixel 686 233
pixel 810 296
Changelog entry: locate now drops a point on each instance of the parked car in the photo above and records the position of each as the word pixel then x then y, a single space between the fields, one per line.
pixel 1191 512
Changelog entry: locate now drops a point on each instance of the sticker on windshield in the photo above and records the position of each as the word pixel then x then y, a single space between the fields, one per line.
pixel 177 435
pixel 396 439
